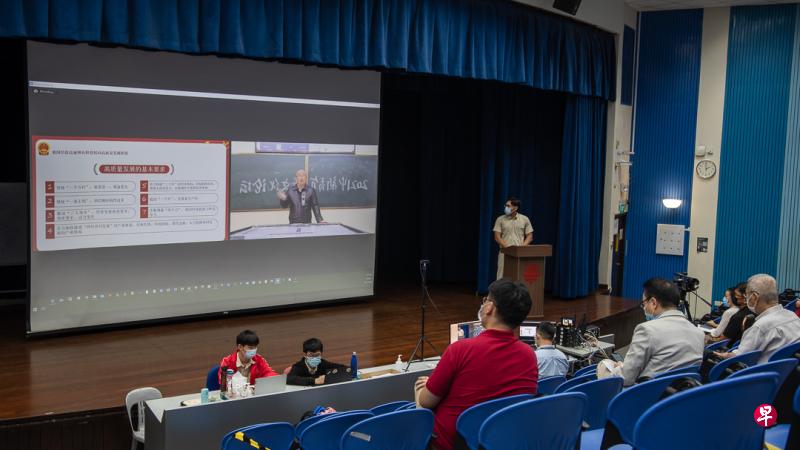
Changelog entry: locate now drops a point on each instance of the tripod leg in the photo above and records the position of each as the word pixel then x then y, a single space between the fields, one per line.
pixel 435 350
pixel 420 342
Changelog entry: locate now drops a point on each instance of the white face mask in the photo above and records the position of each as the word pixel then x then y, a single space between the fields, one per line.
pixel 508 211
pixel 479 314
pixel 747 301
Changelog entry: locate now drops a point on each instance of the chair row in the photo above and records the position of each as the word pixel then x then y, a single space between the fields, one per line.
pixel 634 417
pixel 396 422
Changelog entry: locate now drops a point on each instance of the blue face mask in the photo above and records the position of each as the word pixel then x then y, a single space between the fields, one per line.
pixel 507 210
pixel 249 354
pixel 647 315
pixel 313 361
pixel 725 302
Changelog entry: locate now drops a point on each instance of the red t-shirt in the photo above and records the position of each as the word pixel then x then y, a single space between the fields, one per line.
pixel 492 365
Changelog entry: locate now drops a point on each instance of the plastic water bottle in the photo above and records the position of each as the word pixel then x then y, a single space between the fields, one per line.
pixel 398 365
pixel 354 365
pixel 204 396
pixel 229 383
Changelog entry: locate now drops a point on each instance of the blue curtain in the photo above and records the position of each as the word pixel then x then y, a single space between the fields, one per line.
pixel 484 39
pixel 581 202
pixel 521 139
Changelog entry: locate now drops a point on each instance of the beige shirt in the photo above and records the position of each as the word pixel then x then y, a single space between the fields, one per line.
pixel 513 229
pixel 244 369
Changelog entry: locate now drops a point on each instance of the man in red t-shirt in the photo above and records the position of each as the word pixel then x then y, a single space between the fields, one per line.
pixel 492 365
pixel 245 360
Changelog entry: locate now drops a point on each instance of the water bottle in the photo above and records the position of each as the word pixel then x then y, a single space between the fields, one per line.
pixel 229 383
pixel 398 365
pixel 354 365
pixel 204 396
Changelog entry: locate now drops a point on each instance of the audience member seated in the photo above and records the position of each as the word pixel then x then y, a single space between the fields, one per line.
pixel 492 365
pixel 774 327
pixel 666 341
pixel 738 322
pixel 732 305
pixel 551 360
pixel 245 360
pixel 311 369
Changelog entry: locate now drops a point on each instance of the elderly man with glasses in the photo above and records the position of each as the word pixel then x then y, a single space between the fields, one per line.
pixel 774 327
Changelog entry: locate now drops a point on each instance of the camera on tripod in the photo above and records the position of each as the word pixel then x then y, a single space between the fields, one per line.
pixel 685 283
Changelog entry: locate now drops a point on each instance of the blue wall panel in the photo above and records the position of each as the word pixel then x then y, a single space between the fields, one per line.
pixel 788 273
pixel 753 142
pixel 664 139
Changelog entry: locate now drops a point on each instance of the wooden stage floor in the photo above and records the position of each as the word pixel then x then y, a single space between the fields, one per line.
pixel 94 371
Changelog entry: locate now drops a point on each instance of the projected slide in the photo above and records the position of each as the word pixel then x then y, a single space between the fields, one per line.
pixel 107 193
pixel 169 185
pixel 285 190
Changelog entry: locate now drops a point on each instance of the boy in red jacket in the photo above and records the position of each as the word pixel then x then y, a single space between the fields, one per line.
pixel 245 360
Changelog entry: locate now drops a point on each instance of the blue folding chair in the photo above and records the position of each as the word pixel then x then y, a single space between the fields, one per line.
pixel 410 405
pixel 399 430
pixel 791 306
pixel 600 393
pixel 388 407
pixel 276 436
pixel 787 351
pixel 557 425
pixel 682 370
pixel 574 382
pixel 783 367
pixel 749 359
pixel 687 411
pixel 547 386
pixel 301 427
pixel 626 408
pixel 212 379
pixel 718 345
pixel 469 422
pixel 585 370
pixel 326 434
pixel 778 435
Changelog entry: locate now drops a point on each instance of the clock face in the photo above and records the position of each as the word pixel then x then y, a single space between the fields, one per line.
pixel 706 169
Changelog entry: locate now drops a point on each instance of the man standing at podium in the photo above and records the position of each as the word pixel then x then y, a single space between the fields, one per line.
pixel 511 229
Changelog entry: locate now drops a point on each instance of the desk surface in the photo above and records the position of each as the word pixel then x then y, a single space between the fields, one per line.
pixel 172 426
pixel 294 230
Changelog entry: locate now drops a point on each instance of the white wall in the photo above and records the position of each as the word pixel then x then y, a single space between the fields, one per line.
pixel 710 107
pixel 618 145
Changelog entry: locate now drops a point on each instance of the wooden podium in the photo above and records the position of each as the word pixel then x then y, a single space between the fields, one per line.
pixel 525 264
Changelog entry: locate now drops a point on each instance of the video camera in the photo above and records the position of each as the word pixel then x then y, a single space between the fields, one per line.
pixel 685 283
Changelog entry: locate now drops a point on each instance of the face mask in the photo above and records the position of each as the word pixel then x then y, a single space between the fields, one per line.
pixel 647 315
pixel 747 301
pixel 313 361
pixel 250 353
pixel 508 211
pixel 479 314
pixel 725 302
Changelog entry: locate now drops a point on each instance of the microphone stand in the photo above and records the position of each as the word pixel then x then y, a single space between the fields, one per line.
pixel 423 271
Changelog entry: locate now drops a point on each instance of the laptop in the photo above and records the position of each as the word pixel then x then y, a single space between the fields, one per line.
pixel 269 385
pixel 527 332
pixel 333 376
